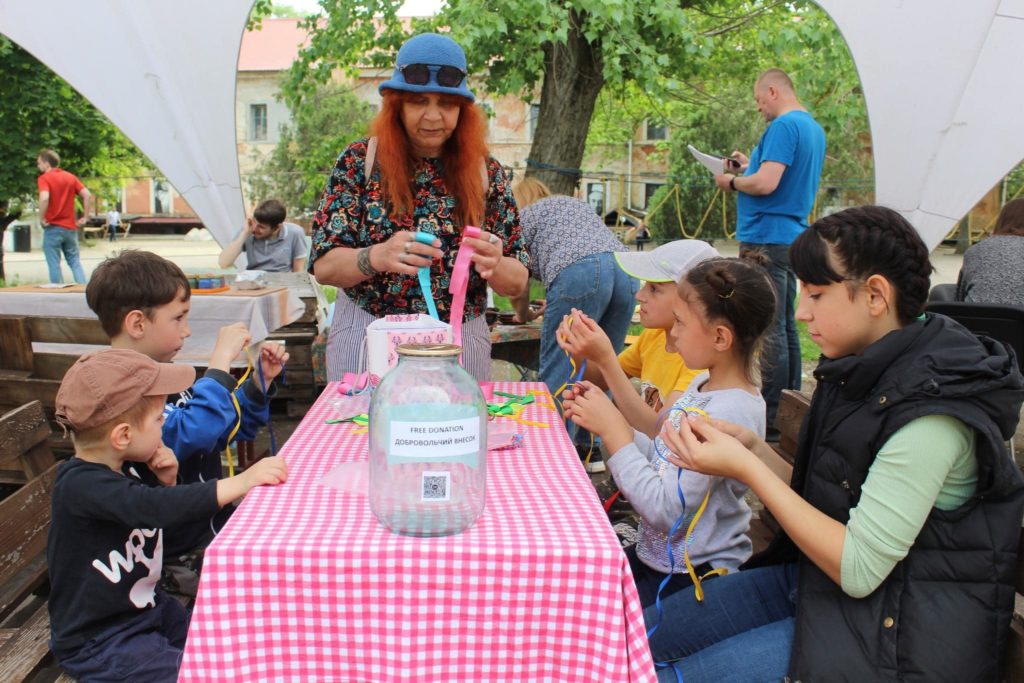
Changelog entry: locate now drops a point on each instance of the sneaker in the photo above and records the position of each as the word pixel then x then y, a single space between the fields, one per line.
pixel 596 464
pixel 626 533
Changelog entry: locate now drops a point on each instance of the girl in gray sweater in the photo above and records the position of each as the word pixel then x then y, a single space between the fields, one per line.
pixel 692 525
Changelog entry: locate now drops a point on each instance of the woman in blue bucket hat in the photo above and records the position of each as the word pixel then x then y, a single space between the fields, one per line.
pixel 424 169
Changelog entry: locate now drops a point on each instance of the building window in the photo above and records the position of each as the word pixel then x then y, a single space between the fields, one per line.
pixel 161 196
pixel 534 115
pixel 257 122
pixel 649 190
pixel 656 130
pixel 595 197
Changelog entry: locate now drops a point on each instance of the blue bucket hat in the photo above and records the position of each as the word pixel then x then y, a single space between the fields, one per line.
pixel 436 51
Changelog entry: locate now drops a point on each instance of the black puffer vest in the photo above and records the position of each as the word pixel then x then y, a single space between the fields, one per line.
pixel 943 613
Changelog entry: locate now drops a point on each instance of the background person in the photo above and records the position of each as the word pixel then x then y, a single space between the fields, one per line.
pixel 431 162
pixel 57 192
pixel 993 269
pixel 113 223
pixel 269 242
pixel 572 255
pixel 775 195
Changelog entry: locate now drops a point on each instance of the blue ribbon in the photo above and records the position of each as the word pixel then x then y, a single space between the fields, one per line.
pixel 424 276
pixel 671 562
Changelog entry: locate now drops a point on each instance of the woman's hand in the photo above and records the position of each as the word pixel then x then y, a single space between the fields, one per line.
pixel 401 253
pixel 488 251
pixel 700 447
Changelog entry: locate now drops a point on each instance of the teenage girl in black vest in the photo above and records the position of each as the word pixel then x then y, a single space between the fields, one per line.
pixel 902 513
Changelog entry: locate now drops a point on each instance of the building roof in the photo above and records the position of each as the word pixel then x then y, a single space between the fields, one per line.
pixel 273 47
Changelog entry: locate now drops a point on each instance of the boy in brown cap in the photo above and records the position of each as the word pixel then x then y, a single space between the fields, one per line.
pixel 142 301
pixel 108 618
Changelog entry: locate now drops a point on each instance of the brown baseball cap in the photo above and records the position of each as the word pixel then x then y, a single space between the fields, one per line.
pixel 102 386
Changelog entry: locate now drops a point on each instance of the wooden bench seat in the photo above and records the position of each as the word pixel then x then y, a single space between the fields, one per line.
pixel 24 447
pixel 24 620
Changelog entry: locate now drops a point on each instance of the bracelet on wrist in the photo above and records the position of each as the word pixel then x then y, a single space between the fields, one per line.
pixel 363 262
pixel 732 184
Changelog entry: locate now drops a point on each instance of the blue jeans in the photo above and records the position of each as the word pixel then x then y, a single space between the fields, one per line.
pixel 743 631
pixel 56 240
pixel 598 287
pixel 781 366
pixel 149 647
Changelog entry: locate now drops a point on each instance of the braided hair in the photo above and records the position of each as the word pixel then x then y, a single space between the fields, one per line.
pixel 852 245
pixel 737 291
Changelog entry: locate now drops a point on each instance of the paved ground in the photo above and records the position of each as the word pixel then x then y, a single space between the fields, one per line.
pixel 30 267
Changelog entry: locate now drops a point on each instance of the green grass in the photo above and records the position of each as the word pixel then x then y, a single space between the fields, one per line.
pixel 536 292
pixel 809 351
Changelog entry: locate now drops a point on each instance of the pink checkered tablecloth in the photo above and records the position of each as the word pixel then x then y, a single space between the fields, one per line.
pixel 304 584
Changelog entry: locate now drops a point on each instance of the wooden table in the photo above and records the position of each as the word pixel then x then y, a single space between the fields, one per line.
pixel 262 310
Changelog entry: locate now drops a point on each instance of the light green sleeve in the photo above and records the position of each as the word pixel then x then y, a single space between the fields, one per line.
pixel 928 463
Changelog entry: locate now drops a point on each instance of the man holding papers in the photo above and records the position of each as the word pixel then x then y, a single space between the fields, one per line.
pixel 775 194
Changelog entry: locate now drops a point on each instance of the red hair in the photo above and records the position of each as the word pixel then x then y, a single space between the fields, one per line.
pixel 465 152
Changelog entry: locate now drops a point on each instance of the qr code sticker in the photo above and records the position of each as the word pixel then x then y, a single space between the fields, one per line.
pixel 437 486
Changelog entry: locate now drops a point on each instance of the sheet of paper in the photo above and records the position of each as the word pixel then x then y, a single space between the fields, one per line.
pixel 712 163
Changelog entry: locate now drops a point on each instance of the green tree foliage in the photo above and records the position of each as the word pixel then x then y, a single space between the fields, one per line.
pixel 569 49
pixel 320 129
pixel 714 109
pixel 40 110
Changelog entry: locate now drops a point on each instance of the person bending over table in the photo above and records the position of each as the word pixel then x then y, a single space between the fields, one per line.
pixel 573 255
pixel 431 172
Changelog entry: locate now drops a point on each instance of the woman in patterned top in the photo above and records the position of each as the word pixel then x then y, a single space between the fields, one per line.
pixel 431 173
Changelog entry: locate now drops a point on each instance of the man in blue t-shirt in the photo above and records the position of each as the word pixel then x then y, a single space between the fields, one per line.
pixel 775 194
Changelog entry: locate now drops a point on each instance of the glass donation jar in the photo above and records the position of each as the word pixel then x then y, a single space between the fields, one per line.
pixel 428 444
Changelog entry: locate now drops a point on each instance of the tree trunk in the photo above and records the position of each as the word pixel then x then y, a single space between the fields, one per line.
pixel 573 78
pixel 5 220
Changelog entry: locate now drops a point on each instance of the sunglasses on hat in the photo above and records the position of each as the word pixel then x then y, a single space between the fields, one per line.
pixel 419 74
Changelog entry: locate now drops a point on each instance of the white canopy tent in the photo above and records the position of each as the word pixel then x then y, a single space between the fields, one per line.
pixel 943 100
pixel 164 73
pixel 937 77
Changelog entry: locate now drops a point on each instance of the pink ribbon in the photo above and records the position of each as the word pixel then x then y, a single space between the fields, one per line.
pixel 460 281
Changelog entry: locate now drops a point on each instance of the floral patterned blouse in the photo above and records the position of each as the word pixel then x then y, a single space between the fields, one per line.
pixel 352 213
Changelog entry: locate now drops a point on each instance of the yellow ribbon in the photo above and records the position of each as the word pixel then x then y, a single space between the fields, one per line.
pixel 238 414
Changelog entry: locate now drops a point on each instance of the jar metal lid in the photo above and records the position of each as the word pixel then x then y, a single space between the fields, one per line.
pixel 435 350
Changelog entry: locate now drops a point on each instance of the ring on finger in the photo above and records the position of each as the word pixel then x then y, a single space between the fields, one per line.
pixel 493 238
pixel 407 246
pixel 401 257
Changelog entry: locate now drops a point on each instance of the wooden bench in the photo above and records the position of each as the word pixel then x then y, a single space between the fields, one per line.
pixel 100 231
pixel 793 407
pixel 24 447
pixel 24 620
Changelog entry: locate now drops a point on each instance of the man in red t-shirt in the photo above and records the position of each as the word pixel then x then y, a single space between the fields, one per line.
pixel 57 190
